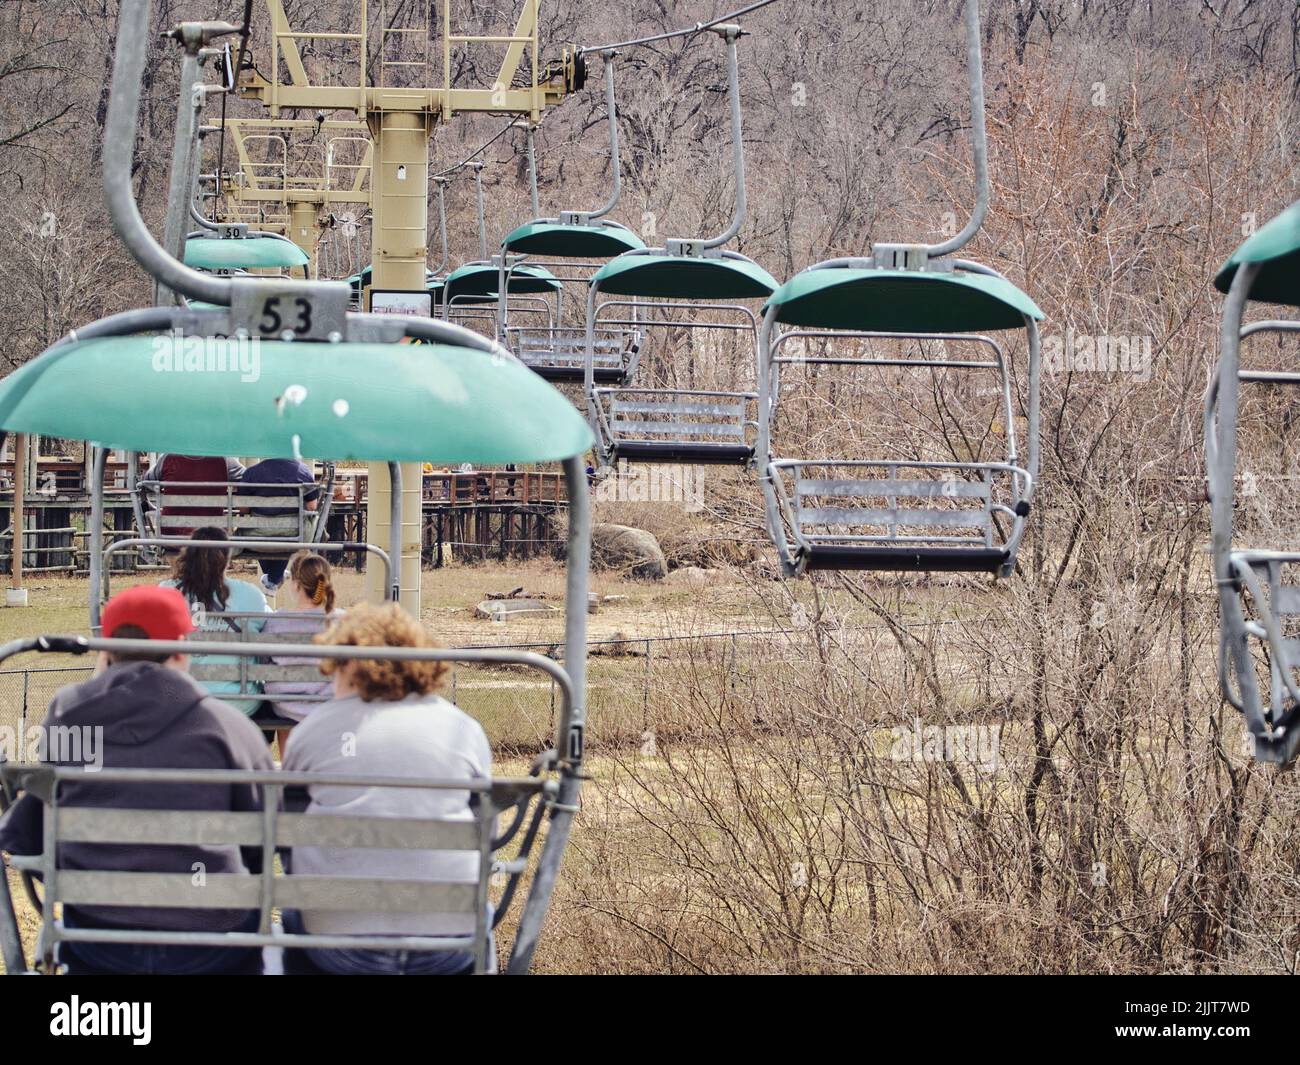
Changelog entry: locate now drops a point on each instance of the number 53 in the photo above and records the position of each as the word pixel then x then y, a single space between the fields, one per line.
pixel 272 323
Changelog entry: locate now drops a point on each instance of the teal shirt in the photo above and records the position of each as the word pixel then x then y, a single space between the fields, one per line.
pixel 242 598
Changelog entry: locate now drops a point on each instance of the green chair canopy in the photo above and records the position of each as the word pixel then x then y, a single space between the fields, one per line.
pixel 277 399
pixel 902 301
pixel 684 278
pixel 480 279
pixel 570 241
pixel 1276 246
pixel 243 253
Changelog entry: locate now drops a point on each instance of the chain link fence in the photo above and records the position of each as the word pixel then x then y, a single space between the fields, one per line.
pixel 516 706
pixel 25 693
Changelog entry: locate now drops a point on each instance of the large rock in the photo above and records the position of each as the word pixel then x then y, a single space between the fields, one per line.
pixel 633 551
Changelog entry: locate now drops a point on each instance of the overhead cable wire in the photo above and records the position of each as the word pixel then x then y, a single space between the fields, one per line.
pixel 688 31
pixel 477 151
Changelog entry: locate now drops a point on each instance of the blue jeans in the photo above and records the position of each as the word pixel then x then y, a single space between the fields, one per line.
pixel 349 962
pixel 141 959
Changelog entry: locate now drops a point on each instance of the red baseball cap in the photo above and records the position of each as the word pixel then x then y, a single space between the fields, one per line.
pixel 162 613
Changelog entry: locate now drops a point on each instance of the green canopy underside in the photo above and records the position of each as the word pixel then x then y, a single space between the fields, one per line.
pixel 243 253
pixel 1276 246
pixel 572 241
pixel 374 402
pixel 677 277
pixel 481 280
pixel 902 301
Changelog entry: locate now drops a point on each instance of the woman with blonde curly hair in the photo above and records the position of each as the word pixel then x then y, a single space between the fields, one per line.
pixel 386 720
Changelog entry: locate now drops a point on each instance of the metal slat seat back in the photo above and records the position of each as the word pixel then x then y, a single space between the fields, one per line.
pixel 677 425
pixel 250 676
pixel 138 827
pixel 267 830
pixel 1267 619
pixel 559 354
pixel 1284 603
pixel 273 512
pixel 900 515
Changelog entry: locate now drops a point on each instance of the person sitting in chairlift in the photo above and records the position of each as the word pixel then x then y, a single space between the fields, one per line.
pixel 386 720
pixel 309 591
pixel 200 576
pixel 153 715
pixel 191 475
pixel 285 472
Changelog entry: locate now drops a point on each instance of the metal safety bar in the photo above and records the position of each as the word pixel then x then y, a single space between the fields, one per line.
pixel 173 543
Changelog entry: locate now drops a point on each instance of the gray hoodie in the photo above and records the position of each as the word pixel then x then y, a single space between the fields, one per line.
pixel 153 717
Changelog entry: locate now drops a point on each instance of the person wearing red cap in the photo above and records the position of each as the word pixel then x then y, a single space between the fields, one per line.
pixel 149 713
pixel 160 613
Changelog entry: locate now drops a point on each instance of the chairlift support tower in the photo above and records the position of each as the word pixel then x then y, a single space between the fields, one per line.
pixel 303 198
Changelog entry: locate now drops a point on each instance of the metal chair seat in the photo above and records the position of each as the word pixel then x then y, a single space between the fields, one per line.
pixel 829 556
pixel 899 515
pixel 661 425
pixel 699 453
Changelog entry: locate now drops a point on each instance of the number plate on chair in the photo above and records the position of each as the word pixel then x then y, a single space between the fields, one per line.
pixel 690 248
pixel 282 310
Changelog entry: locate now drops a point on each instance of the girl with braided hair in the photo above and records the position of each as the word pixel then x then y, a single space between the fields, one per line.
pixel 308 598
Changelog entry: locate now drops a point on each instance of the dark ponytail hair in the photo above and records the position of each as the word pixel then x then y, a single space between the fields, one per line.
pixel 200 572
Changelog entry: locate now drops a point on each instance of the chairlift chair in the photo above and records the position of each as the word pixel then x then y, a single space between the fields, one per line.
pixel 237 249
pixel 674 425
pixel 579 242
pixel 879 513
pixel 1259 593
pixel 506 812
